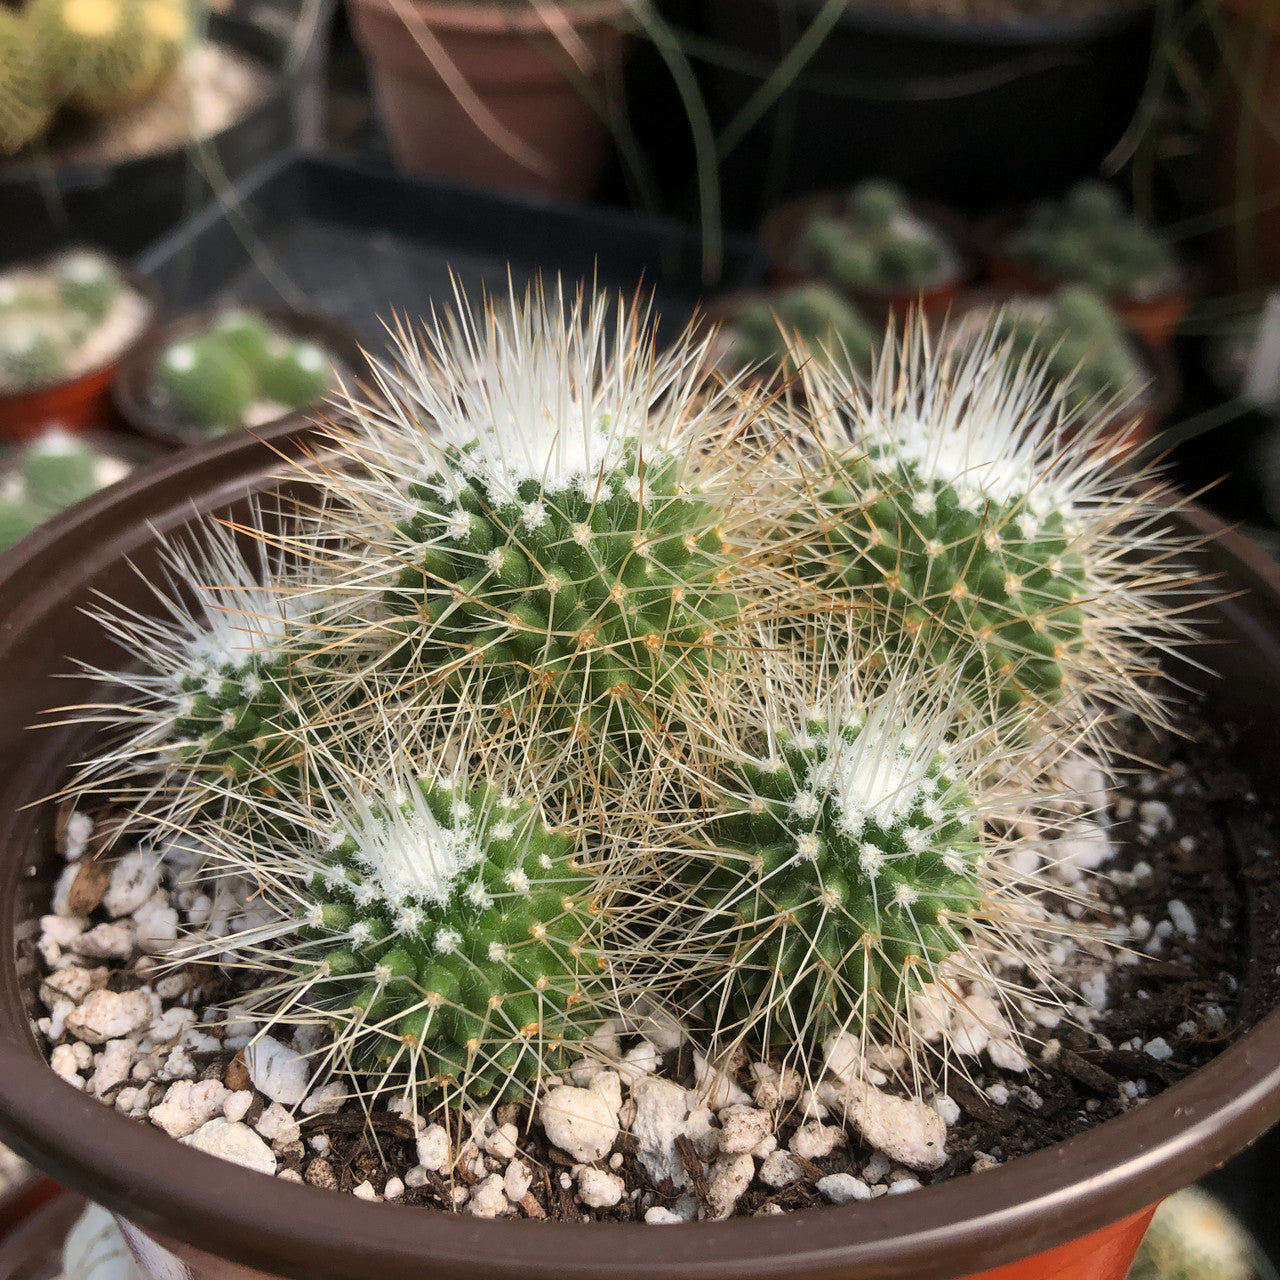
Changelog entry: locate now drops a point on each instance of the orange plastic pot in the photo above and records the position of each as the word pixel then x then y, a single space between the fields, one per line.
pixel 1072 1211
pixel 1155 319
pixel 497 94
pixel 80 404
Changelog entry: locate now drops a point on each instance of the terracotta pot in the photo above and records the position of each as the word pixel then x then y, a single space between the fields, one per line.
pixel 131 391
pixel 1156 319
pixel 489 93
pixel 82 403
pixel 1081 1201
pixel 782 227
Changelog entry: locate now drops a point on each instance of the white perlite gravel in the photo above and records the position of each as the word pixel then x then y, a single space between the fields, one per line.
pixel 161 1052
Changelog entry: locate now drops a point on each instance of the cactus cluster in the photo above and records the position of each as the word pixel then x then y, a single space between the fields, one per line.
pixel 50 316
pixel 215 381
pixel 587 674
pixel 764 331
pixel 90 55
pixel 52 472
pixel 875 244
pixel 1083 343
pixel 1090 238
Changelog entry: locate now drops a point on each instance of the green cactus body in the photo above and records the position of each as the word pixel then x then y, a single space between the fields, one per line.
pixel 246 336
pixel 33 351
pixel 86 283
pixel 829 326
pixel 1195 1237
pixel 455 925
pixel 297 377
pixel 585 601
pixel 204 384
pixel 16 521
pixel 876 244
pixel 846 866
pixel 997 577
pixel 25 110
pixel 58 470
pixel 1082 342
pixel 1090 238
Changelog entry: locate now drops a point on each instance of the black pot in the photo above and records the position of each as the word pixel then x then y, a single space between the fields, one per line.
pixel 970 113
pixel 124 205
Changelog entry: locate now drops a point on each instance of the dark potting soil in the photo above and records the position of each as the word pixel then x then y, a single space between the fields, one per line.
pixel 1196 859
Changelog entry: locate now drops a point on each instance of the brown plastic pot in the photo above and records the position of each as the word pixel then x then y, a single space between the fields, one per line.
pixel 220 1218
pixel 496 94
pixel 781 229
pixel 82 403
pixel 131 392
pixel 1155 319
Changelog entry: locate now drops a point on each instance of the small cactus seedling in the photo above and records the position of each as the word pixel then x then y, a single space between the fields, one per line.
pixel 440 925
pixel 87 283
pixel 960 499
pixel 765 331
pixel 536 502
pixel 33 351
pixel 204 384
pixel 299 376
pixel 1090 238
pixel 217 380
pixel 1081 342
pixel 246 335
pixel 877 245
pixel 25 110
pixel 57 471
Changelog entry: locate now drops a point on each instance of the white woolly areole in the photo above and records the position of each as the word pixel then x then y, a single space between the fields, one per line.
pixel 407 855
pixel 548 389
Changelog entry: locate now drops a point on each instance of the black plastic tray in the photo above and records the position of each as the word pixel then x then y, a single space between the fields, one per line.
pixel 358 242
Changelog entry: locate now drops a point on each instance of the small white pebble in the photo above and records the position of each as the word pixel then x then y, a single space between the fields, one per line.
pixel 433 1148
pixel 779 1170
pixel 1158 1049
pixel 489 1199
pixel 841 1188
pixel 598 1189
pixel 364 1191
pixel 1183 920
pixel 998 1094
pixel 517 1180
pixel 903 1185
pixel 661 1216
pixel 393 1190
pixel 235 1106
pixel 946 1108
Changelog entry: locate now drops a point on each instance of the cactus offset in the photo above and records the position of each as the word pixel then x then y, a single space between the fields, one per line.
pixel 1091 238
pixel 440 926
pixel 560 560
pixel 962 502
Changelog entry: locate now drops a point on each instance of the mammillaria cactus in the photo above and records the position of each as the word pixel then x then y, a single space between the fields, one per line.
pixel 87 283
pixel 763 332
pixel 204 383
pixel 586 674
pixel 1082 342
pixel 877 244
pixel 33 351
pixel 24 106
pixel 441 922
pixel 58 470
pixel 1091 238
pixel 537 502
pixel 964 500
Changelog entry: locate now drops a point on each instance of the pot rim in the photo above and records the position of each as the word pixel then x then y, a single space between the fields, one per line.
pixel 969 1224
pixel 481 18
